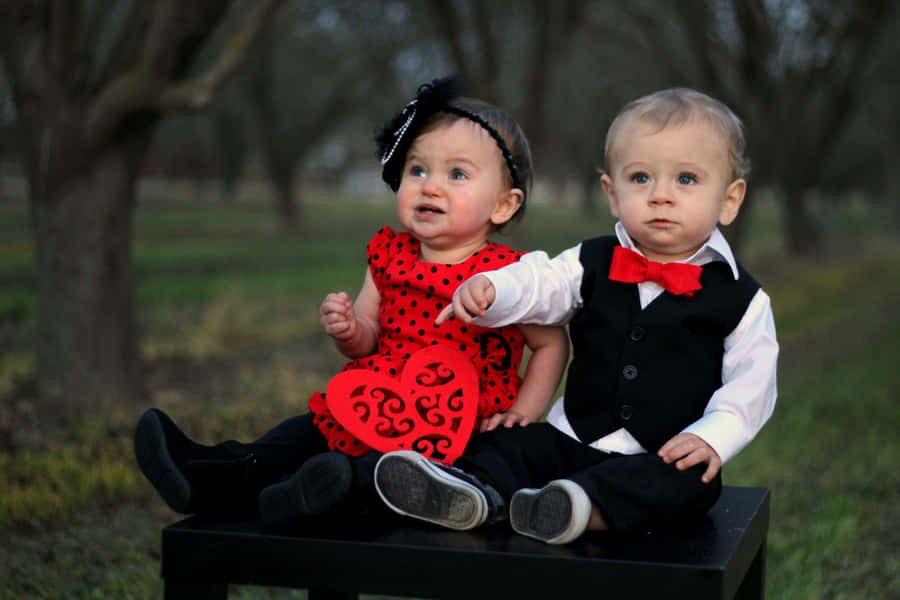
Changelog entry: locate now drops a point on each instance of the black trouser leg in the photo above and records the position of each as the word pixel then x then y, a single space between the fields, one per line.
pixel 285 447
pixel 632 492
pixel 641 491
pixel 519 457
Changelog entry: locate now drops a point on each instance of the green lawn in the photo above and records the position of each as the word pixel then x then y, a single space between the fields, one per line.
pixel 227 306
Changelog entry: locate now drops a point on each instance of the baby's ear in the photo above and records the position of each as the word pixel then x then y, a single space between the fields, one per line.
pixel 606 183
pixel 734 197
pixel 509 203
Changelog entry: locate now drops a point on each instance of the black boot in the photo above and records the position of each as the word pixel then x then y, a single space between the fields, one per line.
pixel 326 484
pixel 192 477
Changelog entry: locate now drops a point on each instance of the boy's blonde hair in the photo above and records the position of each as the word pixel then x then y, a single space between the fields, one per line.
pixel 676 106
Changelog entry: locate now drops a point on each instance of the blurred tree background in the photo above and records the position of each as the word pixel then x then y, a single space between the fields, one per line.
pixel 236 101
pixel 95 94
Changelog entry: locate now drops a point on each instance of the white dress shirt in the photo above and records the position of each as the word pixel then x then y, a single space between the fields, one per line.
pixel 546 291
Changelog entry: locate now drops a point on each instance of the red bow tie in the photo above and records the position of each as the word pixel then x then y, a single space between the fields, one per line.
pixel 677 278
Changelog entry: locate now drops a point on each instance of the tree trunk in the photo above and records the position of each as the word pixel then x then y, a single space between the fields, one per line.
pixel 230 149
pixel 802 235
pixel 283 180
pixel 589 181
pixel 85 120
pixel 82 220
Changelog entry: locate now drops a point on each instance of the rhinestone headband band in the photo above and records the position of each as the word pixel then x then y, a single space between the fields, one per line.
pixel 395 138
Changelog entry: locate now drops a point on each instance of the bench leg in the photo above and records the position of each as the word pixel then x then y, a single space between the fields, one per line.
pixel 754 585
pixel 176 590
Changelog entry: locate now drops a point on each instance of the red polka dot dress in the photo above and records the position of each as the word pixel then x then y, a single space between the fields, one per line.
pixel 412 294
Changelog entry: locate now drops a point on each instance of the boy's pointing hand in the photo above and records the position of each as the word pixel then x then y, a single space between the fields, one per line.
pixel 472 299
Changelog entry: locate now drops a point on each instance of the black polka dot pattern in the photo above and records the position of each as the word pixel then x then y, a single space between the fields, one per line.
pixel 412 294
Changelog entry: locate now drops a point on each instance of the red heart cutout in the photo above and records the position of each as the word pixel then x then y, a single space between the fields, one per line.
pixel 431 409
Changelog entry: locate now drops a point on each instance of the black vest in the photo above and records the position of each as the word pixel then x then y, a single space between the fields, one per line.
pixel 650 371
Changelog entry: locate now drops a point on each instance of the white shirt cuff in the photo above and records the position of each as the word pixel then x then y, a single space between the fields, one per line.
pixel 722 431
pixel 501 312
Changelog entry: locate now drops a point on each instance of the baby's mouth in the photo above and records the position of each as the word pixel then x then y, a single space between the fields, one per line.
pixel 427 208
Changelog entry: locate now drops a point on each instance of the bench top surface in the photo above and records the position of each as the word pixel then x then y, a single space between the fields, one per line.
pixel 707 543
pixel 709 557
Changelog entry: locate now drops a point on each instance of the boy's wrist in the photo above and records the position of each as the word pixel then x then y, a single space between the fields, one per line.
pixel 502 304
pixel 722 432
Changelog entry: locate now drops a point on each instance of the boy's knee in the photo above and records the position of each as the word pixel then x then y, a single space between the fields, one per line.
pixel 511 436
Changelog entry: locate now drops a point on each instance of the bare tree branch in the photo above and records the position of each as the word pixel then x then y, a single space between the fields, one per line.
pixel 541 59
pixel 22 44
pixel 137 88
pixel 757 39
pixel 156 58
pixel 858 40
pixel 490 59
pixel 117 33
pixel 146 86
pixel 198 93
pixel 448 25
pixel 65 27
pixel 653 27
pixel 695 14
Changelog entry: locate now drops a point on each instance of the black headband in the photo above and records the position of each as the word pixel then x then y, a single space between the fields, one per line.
pixel 397 135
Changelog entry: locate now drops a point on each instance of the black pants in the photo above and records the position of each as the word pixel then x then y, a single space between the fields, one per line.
pixel 284 448
pixel 632 492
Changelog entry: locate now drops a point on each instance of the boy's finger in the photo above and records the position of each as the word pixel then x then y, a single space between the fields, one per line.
pixel 672 453
pixel 461 303
pixel 479 297
pixel 460 311
pixel 667 447
pixel 469 302
pixel 444 315
pixel 715 463
pixel 710 473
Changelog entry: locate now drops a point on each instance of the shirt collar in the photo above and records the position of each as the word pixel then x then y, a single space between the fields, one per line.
pixel 715 248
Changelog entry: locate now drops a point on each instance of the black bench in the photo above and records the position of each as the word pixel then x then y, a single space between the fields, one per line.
pixel 720 556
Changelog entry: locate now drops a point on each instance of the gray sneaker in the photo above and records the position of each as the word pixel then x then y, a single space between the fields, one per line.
pixel 558 513
pixel 414 486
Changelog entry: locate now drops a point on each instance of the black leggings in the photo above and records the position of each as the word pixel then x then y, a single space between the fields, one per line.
pixel 284 448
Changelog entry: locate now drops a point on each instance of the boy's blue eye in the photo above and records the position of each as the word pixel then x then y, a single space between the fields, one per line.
pixel 687 179
pixel 640 178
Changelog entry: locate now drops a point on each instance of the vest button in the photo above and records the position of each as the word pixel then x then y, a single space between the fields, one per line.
pixel 630 372
pixel 625 412
pixel 637 333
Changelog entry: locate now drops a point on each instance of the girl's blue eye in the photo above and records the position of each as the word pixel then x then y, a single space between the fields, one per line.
pixel 687 179
pixel 457 174
pixel 416 171
pixel 640 178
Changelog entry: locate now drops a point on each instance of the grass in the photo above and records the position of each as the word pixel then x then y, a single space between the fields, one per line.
pixel 227 307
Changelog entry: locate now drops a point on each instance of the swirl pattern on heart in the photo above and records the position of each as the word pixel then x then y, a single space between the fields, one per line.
pixel 431 408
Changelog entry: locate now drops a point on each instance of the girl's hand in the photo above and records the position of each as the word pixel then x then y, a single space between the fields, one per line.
pixel 472 299
pixel 687 450
pixel 506 419
pixel 338 317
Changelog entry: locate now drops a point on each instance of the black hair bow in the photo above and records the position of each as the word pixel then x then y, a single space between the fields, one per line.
pixel 396 136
